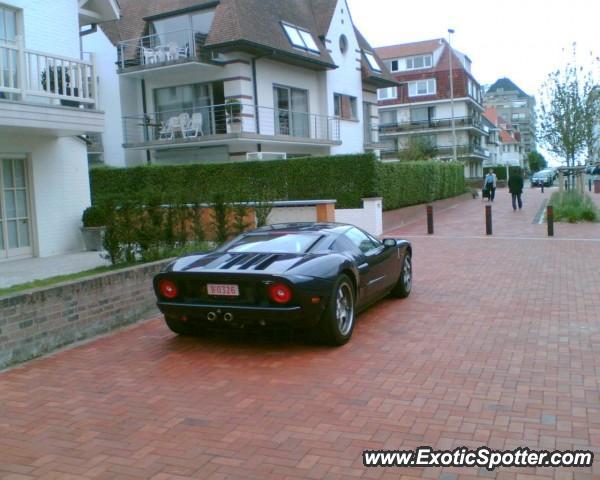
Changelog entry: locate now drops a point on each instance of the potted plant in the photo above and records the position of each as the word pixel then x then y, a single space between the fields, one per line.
pixel 55 75
pixel 233 108
pixel 94 227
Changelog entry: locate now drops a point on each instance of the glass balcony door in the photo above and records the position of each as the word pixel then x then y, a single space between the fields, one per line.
pixel 15 221
pixel 291 112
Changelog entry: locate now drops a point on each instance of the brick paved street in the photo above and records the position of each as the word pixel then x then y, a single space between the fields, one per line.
pixel 499 345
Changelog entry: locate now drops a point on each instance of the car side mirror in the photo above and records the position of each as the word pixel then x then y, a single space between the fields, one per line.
pixel 390 242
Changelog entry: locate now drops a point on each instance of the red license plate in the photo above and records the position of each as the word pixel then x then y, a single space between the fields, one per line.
pixel 223 290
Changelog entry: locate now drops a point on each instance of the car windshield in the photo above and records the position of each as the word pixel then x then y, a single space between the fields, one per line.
pixel 279 242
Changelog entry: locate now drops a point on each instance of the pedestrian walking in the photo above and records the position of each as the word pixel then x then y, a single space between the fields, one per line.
pixel 515 187
pixel 489 185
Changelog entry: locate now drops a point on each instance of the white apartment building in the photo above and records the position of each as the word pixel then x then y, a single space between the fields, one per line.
pixel 47 101
pixel 231 80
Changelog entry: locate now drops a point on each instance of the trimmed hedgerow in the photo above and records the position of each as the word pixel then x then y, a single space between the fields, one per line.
pixel 402 184
pixel 346 178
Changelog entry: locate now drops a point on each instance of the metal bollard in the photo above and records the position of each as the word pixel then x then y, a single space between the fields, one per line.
pixel 590 184
pixel 550 220
pixel 488 220
pixel 430 219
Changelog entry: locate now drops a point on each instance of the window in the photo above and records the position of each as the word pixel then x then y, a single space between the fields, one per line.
pixel 8 25
pixel 344 107
pixel 387 93
pixel 419 61
pixel 394 66
pixel 422 115
pixel 275 243
pixel 343 44
pixel 388 117
pixel 301 38
pixel 197 98
pixel 373 64
pixel 518 117
pixel 292 114
pixel 361 240
pixel 422 87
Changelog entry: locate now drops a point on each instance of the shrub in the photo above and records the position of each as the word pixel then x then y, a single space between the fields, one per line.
pixel 402 184
pixel 500 171
pixel 574 206
pixel 347 178
pixel 94 216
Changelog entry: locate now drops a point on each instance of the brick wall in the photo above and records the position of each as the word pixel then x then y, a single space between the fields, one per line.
pixel 41 320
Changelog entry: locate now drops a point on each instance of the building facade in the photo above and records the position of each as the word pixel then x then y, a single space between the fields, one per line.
pixel 516 107
pixel 48 102
pixel 424 107
pixel 503 141
pixel 237 80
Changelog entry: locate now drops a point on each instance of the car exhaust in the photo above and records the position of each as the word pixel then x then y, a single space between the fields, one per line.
pixel 228 317
pixel 211 316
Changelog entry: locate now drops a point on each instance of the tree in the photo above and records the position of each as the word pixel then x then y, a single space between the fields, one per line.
pixel 536 161
pixel 419 148
pixel 592 125
pixel 567 110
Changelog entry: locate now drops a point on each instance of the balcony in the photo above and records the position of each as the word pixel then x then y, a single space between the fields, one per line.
pixel 446 152
pixel 228 124
pixel 181 48
pixel 433 124
pixel 45 92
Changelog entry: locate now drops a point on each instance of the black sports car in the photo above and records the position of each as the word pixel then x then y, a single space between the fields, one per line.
pixel 308 275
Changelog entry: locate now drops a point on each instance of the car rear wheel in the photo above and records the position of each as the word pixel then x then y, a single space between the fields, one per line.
pixel 179 327
pixel 337 323
pixel 404 285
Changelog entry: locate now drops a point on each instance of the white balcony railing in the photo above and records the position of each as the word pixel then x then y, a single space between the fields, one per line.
pixel 28 73
pixel 194 124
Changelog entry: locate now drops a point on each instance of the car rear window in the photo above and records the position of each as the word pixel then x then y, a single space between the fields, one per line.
pixel 280 242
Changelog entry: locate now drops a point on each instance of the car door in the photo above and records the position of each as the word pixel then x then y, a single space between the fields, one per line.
pixel 371 260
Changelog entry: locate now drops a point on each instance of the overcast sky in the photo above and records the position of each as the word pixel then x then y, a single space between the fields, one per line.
pixel 520 39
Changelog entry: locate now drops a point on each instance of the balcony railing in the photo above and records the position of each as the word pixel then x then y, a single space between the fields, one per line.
pixel 435 123
pixel 162 48
pixel 445 151
pixel 227 120
pixel 27 73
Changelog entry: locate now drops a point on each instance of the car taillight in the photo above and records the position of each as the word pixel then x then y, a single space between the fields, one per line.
pixel 167 289
pixel 280 293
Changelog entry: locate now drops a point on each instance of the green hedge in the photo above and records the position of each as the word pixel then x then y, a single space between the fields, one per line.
pixel 345 178
pixel 500 171
pixel 402 184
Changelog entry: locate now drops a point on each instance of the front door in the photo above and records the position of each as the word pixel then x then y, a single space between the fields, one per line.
pixel 15 221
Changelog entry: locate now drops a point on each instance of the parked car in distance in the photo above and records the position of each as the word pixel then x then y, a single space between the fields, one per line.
pixel 543 177
pixel 301 275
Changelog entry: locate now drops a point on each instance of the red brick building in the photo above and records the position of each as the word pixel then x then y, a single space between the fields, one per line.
pixel 421 107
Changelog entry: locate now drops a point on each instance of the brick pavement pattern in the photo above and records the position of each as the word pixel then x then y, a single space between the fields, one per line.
pixel 499 345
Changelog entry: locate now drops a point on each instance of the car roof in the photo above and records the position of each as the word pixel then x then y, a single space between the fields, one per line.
pixel 331 228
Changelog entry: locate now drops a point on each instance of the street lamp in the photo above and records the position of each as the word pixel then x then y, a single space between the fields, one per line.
pixel 450 32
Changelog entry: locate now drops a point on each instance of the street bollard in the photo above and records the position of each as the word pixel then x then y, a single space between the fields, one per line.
pixel 542 187
pixel 550 220
pixel 590 184
pixel 430 219
pixel 488 220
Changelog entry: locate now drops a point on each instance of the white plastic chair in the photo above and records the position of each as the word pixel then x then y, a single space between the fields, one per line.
pixel 172 51
pixel 168 131
pixel 149 55
pixel 195 126
pixel 184 121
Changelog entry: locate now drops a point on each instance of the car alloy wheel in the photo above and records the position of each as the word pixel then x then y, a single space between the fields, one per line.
pixel 407 273
pixel 344 309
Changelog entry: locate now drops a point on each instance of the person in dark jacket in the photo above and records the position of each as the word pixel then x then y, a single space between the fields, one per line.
pixel 515 187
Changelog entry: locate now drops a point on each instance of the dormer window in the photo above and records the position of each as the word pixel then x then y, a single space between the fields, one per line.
pixel 418 61
pixel 372 62
pixel 301 39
